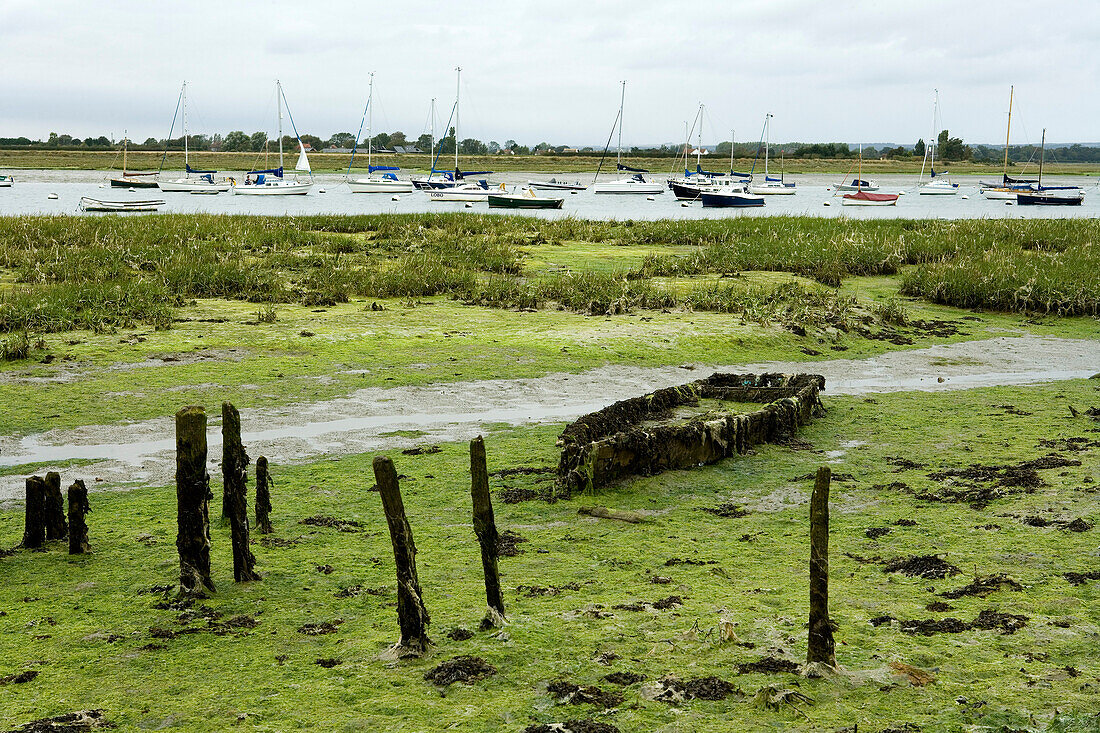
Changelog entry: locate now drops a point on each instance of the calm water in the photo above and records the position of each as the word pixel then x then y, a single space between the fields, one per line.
pixel 29 196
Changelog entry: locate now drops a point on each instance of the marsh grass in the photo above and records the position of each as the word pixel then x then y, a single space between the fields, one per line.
pixel 105 272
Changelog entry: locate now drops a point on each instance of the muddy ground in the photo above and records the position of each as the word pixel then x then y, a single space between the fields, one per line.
pixel 142 453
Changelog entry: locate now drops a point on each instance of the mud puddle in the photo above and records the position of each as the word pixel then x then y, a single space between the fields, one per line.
pixel 374 419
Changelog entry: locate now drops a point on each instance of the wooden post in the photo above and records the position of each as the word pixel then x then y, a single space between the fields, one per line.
pixel 192 501
pixel 235 482
pixel 56 527
pixel 485 528
pixel 78 528
pixel 34 523
pixel 412 616
pixel 821 646
pixel 263 497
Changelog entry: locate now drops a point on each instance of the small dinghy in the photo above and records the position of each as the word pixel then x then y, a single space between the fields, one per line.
pixel 90 204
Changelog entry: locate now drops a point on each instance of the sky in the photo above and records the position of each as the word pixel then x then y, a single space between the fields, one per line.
pixel 860 71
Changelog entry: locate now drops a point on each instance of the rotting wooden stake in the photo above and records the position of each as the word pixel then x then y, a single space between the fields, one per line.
pixel 263 497
pixel 34 523
pixel 192 502
pixel 235 482
pixel 485 528
pixel 78 527
pixel 54 515
pixel 412 616
pixel 821 646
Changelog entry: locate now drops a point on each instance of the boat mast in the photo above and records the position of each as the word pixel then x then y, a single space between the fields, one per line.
pixel 370 118
pixel 859 177
pixel 1042 150
pixel 279 104
pixel 125 140
pixel 458 91
pixel 699 146
pixel 183 97
pixel 731 151
pixel 932 141
pixel 767 142
pixel 1008 129
pixel 619 149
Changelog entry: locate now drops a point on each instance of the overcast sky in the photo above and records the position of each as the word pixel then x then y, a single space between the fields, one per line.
pixel 828 71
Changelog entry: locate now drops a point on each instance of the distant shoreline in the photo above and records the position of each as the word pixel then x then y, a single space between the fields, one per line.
pixel 419 163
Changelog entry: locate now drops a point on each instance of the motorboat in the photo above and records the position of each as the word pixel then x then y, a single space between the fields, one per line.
pixel 465 192
pixel 6 181
pixel 735 197
pixel 526 200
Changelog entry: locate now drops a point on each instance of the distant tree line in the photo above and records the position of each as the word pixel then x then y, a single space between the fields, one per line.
pixel 947 148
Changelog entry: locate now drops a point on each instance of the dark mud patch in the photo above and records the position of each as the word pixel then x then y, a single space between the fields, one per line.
pixel 1081 578
pixel 938 607
pixel 768 665
pixel 353 591
pixel 727 510
pixel 508 543
pixel 465 669
pixel 76 722
pixel 516 495
pixel 983 585
pixel 19 678
pixel 903 464
pixel 921 566
pixel 277 542
pixel 238 625
pixel 1012 410
pixel 671 689
pixel 673 561
pixel 875 532
pixel 523 471
pixel 987 620
pixel 537 591
pixel 328 663
pixel 905 523
pixel 877 621
pixel 1069 445
pixel 670 602
pixel 320 628
pixel 460 634
pixel 626 679
pixel 1077 525
pixel 567 692
pixel 662 605
pixel 343 525
pixel 572 726
pixel 841 477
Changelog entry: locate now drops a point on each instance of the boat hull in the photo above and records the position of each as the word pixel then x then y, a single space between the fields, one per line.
pixel 771 189
pixel 939 189
pixel 133 183
pixel 1050 199
pixel 287 188
pixel 685 191
pixel 524 202
pixel 90 204
pixel 183 185
pixel 628 187
pixel 558 186
pixel 368 185
pixel 722 200
pixel 863 198
pixel 6 181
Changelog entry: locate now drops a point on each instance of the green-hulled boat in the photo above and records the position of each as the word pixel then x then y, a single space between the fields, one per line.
pixel 526 200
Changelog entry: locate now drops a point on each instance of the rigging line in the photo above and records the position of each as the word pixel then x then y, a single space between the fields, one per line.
pixel 355 145
pixel 170 131
pixel 608 145
pixel 446 134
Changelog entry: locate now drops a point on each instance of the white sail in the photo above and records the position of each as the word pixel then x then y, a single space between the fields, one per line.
pixel 303 161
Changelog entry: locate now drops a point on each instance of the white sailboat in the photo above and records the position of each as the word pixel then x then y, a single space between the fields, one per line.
pixel 193 180
pixel 387 182
pixel 634 184
pixel 771 186
pixel 934 187
pixel 456 189
pixel 271 182
pixel 1007 189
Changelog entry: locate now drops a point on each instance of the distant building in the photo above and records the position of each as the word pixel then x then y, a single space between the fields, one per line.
pixel 570 150
pixel 336 150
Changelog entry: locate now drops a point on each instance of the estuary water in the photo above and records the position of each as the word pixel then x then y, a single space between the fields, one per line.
pixel 814 197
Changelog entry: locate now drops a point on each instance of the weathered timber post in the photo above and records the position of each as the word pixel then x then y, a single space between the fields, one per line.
pixel 485 528
pixel 192 501
pixel 34 523
pixel 56 527
pixel 78 528
pixel 821 646
pixel 412 616
pixel 263 497
pixel 235 481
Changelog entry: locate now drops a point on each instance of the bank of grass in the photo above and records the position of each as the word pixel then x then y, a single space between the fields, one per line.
pixel 108 272
pixel 91 629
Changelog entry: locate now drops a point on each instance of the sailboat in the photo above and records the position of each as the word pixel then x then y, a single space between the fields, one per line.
pixel 271 182
pixel 932 187
pixel 635 183
pixel 388 181
pixel 6 181
pixel 129 179
pixel 458 190
pixel 1008 187
pixel 771 185
pixel 1050 195
pixel 194 181
pixel 866 198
